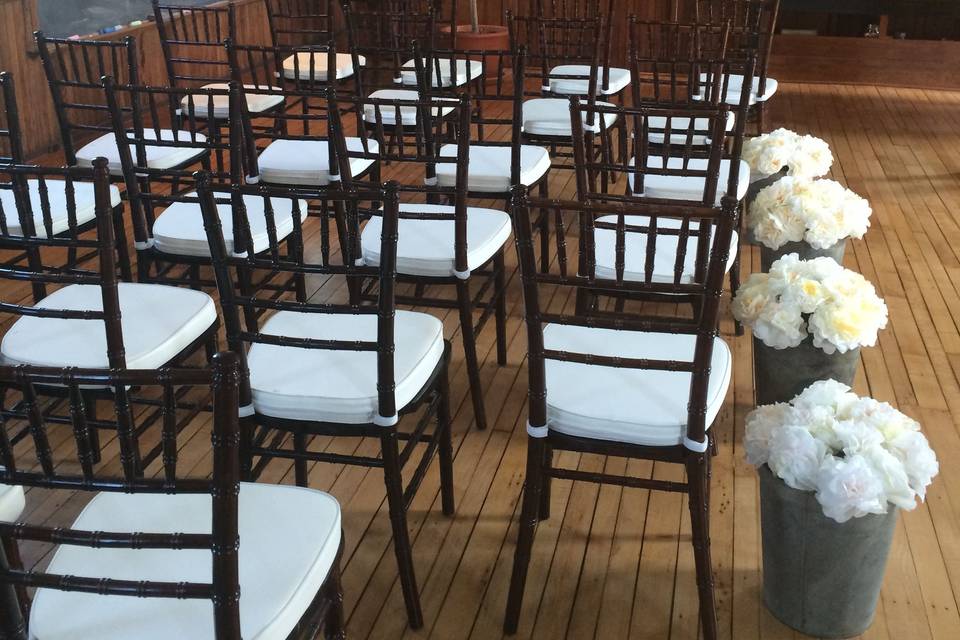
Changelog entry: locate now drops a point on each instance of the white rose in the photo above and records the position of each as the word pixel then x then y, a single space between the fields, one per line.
pixel 795 457
pixel 919 461
pixel 760 425
pixel 849 488
pixel 856 436
pixel 890 471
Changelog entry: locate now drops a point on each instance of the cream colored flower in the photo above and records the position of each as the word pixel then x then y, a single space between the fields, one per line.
pixel 770 152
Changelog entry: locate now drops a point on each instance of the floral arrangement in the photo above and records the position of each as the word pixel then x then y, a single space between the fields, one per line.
pixel 804 156
pixel 818 297
pixel 818 212
pixel 858 454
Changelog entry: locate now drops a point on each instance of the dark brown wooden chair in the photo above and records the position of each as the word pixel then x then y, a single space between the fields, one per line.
pixel 74 71
pixel 752 24
pixel 192 39
pixel 442 240
pixel 70 211
pixel 336 368
pixel 90 320
pixel 302 24
pixel 645 384
pixel 169 554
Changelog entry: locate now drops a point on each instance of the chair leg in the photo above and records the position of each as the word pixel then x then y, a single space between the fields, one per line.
pixel 542 190
pixel 445 451
pixel 527 528
pixel 699 502
pixel 11 553
pixel 211 345
pixel 93 433
pixel 334 627
pixel 468 332
pixel 398 520
pixel 13 620
pixel 545 483
pixel 500 291
pixel 122 249
pixel 300 465
pixel 735 269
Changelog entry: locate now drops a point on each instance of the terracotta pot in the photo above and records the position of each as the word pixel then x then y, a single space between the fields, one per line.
pixel 489 38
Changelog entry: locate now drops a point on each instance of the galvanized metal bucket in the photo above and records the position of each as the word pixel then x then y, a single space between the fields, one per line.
pixel 783 373
pixel 806 252
pixel 820 577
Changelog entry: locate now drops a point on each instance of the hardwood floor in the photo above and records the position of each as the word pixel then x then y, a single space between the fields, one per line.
pixel 615 563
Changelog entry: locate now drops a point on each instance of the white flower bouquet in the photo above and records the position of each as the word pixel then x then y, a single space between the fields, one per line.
pixel 818 212
pixel 804 156
pixel 797 298
pixel 857 454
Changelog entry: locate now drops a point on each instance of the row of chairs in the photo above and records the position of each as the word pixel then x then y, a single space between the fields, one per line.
pixel 658 248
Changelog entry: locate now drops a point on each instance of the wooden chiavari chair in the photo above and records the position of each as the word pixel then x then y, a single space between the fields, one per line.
pixel 71 205
pixel 304 24
pixel 339 369
pixel 172 554
pixel 74 71
pixel 90 320
pixel 192 39
pixel 752 24
pixel 644 385
pixel 440 244
pixel 560 60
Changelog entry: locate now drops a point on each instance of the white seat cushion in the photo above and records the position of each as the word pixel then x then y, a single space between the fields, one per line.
pixel 466 71
pixel 307 162
pixel 344 62
pixel 179 228
pixel 678 134
pixel 408 113
pixel 289 538
pixel 551 117
pixel 639 406
pixel 572 85
pixel 489 168
pixel 12 502
pixel 673 187
pixel 157 157
pixel 158 323
pixel 339 386
pixel 83 199
pixel 426 247
pixel 256 102
pixel 735 88
pixel 635 257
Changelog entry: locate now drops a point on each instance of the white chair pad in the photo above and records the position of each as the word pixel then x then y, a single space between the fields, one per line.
pixel 618 81
pixel 690 188
pixel 344 62
pixel 735 88
pixel 307 162
pixel 465 72
pixel 339 386
pixel 158 322
pixel 408 113
pixel 551 117
pixel 489 168
pixel 12 502
pixel 157 157
pixel 179 228
pixel 679 125
pixel 426 247
pixel 635 255
pixel 256 102
pixel 638 406
pixel 84 202
pixel 289 538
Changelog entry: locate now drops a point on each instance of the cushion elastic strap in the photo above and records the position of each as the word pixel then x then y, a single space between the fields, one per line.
pixel 697 447
pixel 142 246
pixel 246 411
pixel 386 421
pixel 537 432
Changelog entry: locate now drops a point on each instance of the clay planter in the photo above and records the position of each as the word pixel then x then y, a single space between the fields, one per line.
pixel 820 577
pixel 489 38
pixel 768 256
pixel 783 373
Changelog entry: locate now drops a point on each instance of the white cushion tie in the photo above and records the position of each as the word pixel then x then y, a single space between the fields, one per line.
pixel 696 447
pixel 537 432
pixel 386 421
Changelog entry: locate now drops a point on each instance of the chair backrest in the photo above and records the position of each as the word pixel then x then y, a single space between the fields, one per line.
pixel 40 241
pixel 11 143
pixel 203 124
pixel 566 42
pixel 74 70
pixel 673 63
pixel 253 301
pixel 302 22
pixel 752 24
pixel 687 144
pixel 192 40
pixel 27 415
pixel 712 229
